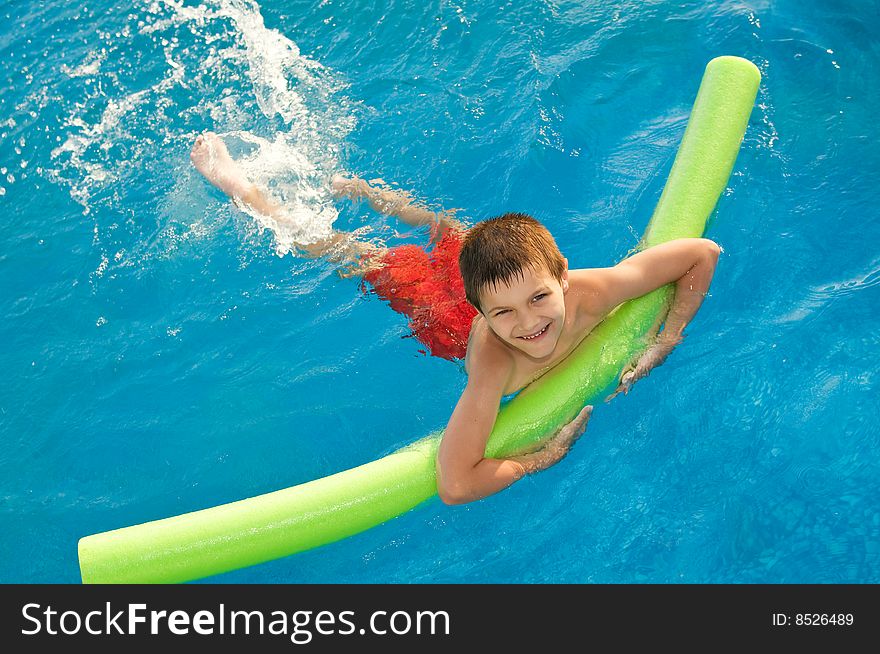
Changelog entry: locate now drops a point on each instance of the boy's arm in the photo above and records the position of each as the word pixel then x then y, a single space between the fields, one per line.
pixel 687 262
pixel 463 472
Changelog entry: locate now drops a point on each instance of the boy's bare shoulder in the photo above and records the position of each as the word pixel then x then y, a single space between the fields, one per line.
pixel 584 290
pixel 485 353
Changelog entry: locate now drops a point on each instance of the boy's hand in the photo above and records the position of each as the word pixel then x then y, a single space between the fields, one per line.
pixel 555 449
pixel 637 369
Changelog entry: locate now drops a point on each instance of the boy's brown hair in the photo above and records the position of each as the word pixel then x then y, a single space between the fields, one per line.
pixel 497 250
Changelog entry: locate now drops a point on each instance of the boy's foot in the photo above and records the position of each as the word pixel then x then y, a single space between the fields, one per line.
pixel 348 187
pixel 211 158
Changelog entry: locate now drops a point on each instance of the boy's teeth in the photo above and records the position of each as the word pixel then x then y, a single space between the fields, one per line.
pixel 528 338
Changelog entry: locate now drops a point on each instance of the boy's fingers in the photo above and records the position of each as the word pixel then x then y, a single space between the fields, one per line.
pixel 577 426
pixel 582 419
pixel 585 414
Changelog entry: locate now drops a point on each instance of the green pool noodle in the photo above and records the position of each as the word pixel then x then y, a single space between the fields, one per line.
pixel 232 536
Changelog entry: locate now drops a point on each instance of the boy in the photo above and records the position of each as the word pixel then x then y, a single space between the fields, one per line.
pixel 533 311
pixel 514 311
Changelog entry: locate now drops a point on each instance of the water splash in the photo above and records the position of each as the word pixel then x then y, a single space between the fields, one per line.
pixel 218 67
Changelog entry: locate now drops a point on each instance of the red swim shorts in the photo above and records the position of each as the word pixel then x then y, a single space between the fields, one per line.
pixel 427 287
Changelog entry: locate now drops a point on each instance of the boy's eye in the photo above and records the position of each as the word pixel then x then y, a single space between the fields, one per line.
pixel 539 296
pixel 498 313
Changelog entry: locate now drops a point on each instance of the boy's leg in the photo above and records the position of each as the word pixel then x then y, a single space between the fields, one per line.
pixel 393 202
pixel 359 257
pixel 211 158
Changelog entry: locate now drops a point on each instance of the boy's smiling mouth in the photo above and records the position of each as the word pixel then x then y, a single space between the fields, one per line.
pixel 537 334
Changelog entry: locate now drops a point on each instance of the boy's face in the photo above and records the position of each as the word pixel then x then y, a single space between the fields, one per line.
pixel 528 313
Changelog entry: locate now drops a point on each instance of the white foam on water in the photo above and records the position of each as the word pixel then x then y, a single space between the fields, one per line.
pixel 221 63
pixel 307 210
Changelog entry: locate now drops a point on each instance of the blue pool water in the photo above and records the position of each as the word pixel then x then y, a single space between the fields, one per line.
pixel 164 352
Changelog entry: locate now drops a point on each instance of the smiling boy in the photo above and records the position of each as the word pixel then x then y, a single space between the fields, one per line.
pixel 533 311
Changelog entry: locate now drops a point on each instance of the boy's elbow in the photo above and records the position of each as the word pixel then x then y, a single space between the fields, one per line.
pixel 452 490
pixel 452 499
pixel 711 249
pixel 452 494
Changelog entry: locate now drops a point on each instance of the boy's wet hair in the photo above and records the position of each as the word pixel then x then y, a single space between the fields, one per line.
pixel 495 251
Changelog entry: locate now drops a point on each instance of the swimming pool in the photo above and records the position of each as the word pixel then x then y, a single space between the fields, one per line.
pixel 163 358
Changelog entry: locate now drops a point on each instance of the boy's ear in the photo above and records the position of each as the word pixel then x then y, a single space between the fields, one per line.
pixel 565 276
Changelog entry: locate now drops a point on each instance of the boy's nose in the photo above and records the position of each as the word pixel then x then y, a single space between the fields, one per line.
pixel 530 325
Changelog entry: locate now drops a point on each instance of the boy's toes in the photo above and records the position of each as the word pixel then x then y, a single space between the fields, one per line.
pixel 200 145
pixel 343 186
pixel 337 184
pixel 204 140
